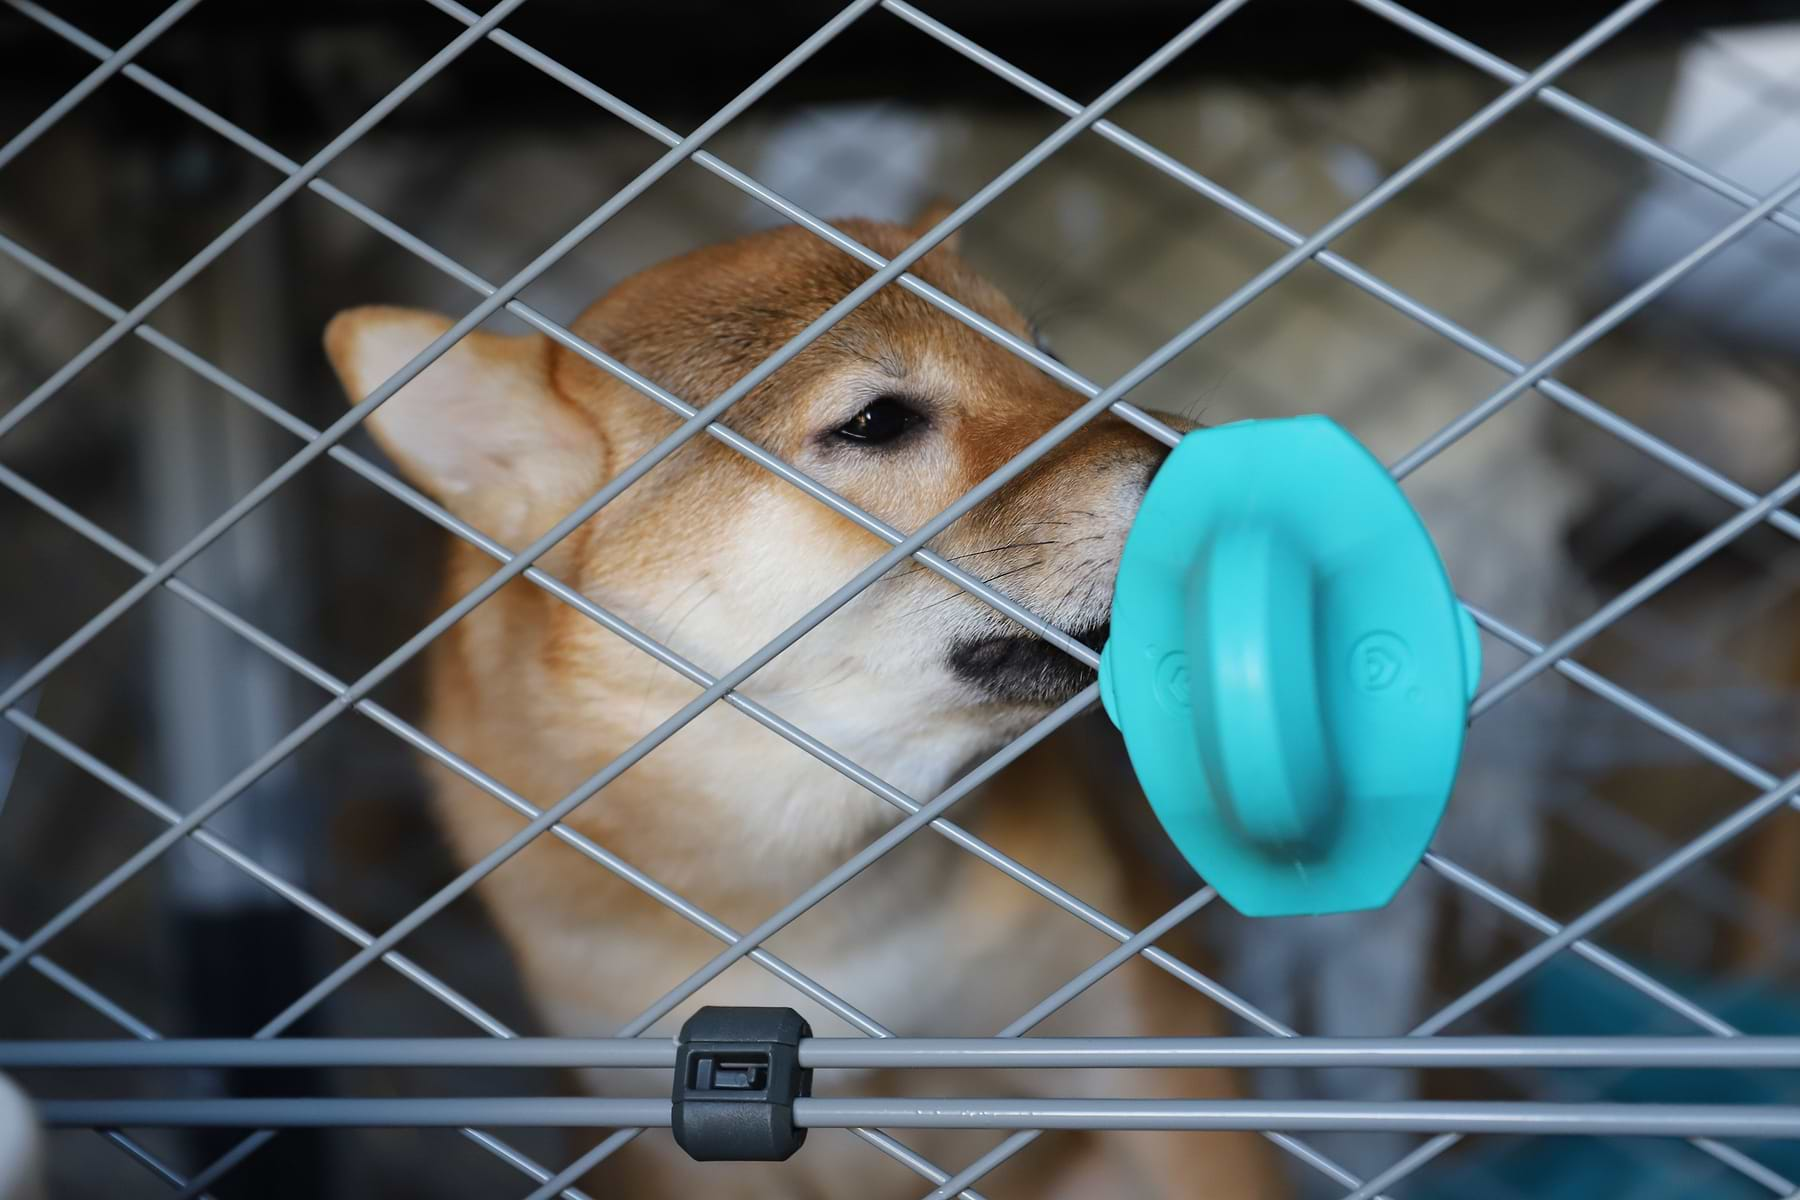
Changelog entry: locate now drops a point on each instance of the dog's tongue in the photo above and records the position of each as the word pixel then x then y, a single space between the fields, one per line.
pixel 1289 667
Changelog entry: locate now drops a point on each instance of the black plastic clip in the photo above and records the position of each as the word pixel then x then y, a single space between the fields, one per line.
pixel 737 1075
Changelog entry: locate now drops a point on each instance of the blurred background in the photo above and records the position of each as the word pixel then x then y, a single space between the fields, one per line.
pixel 1296 108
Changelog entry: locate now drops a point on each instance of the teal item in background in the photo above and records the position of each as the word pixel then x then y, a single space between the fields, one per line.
pixel 1289 667
pixel 1567 997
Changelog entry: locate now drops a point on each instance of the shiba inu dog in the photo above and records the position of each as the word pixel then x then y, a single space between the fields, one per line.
pixel 901 409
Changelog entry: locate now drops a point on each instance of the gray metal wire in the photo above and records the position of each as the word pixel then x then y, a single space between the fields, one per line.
pixel 1775 794
pixel 1009 1050
pixel 571 1112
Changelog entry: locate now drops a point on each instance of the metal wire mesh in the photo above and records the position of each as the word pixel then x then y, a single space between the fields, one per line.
pixel 1545 371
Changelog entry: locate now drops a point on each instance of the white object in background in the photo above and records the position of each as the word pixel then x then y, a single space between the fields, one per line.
pixel 21 1146
pixel 851 160
pixel 1750 291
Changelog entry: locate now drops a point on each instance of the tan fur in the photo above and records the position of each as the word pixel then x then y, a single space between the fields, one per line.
pixel 713 556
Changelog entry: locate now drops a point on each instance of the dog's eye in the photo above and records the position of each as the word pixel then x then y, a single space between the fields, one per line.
pixel 883 421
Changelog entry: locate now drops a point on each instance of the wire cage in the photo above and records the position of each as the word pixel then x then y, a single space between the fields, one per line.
pixel 1541 261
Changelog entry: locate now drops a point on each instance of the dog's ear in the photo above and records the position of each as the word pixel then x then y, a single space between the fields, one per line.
pixel 930 215
pixel 481 428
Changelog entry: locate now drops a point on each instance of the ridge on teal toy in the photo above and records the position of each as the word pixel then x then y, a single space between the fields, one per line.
pixel 1289 667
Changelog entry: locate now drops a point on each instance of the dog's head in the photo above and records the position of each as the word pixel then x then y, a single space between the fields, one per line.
pixel 899 408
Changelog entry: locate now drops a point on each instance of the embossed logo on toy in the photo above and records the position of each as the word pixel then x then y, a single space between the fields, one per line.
pixel 1380 663
pixel 1171 685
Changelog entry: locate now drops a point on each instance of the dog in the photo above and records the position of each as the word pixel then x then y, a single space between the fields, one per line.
pixel 900 409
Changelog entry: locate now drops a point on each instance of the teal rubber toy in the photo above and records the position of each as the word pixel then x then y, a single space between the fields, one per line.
pixel 1289 667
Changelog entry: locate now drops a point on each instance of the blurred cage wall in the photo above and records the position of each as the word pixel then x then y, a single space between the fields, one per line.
pixel 1298 109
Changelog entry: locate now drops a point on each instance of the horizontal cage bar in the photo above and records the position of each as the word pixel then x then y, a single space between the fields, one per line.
pixel 1425 1116
pixel 861 1053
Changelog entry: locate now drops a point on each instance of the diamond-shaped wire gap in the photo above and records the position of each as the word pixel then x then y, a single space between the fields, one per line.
pixel 1735 609
pixel 1630 534
pixel 89 83
pixel 49 584
pixel 1764 934
pixel 39 329
pixel 1646 372
pixel 1667 932
pixel 53 70
pixel 1722 896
